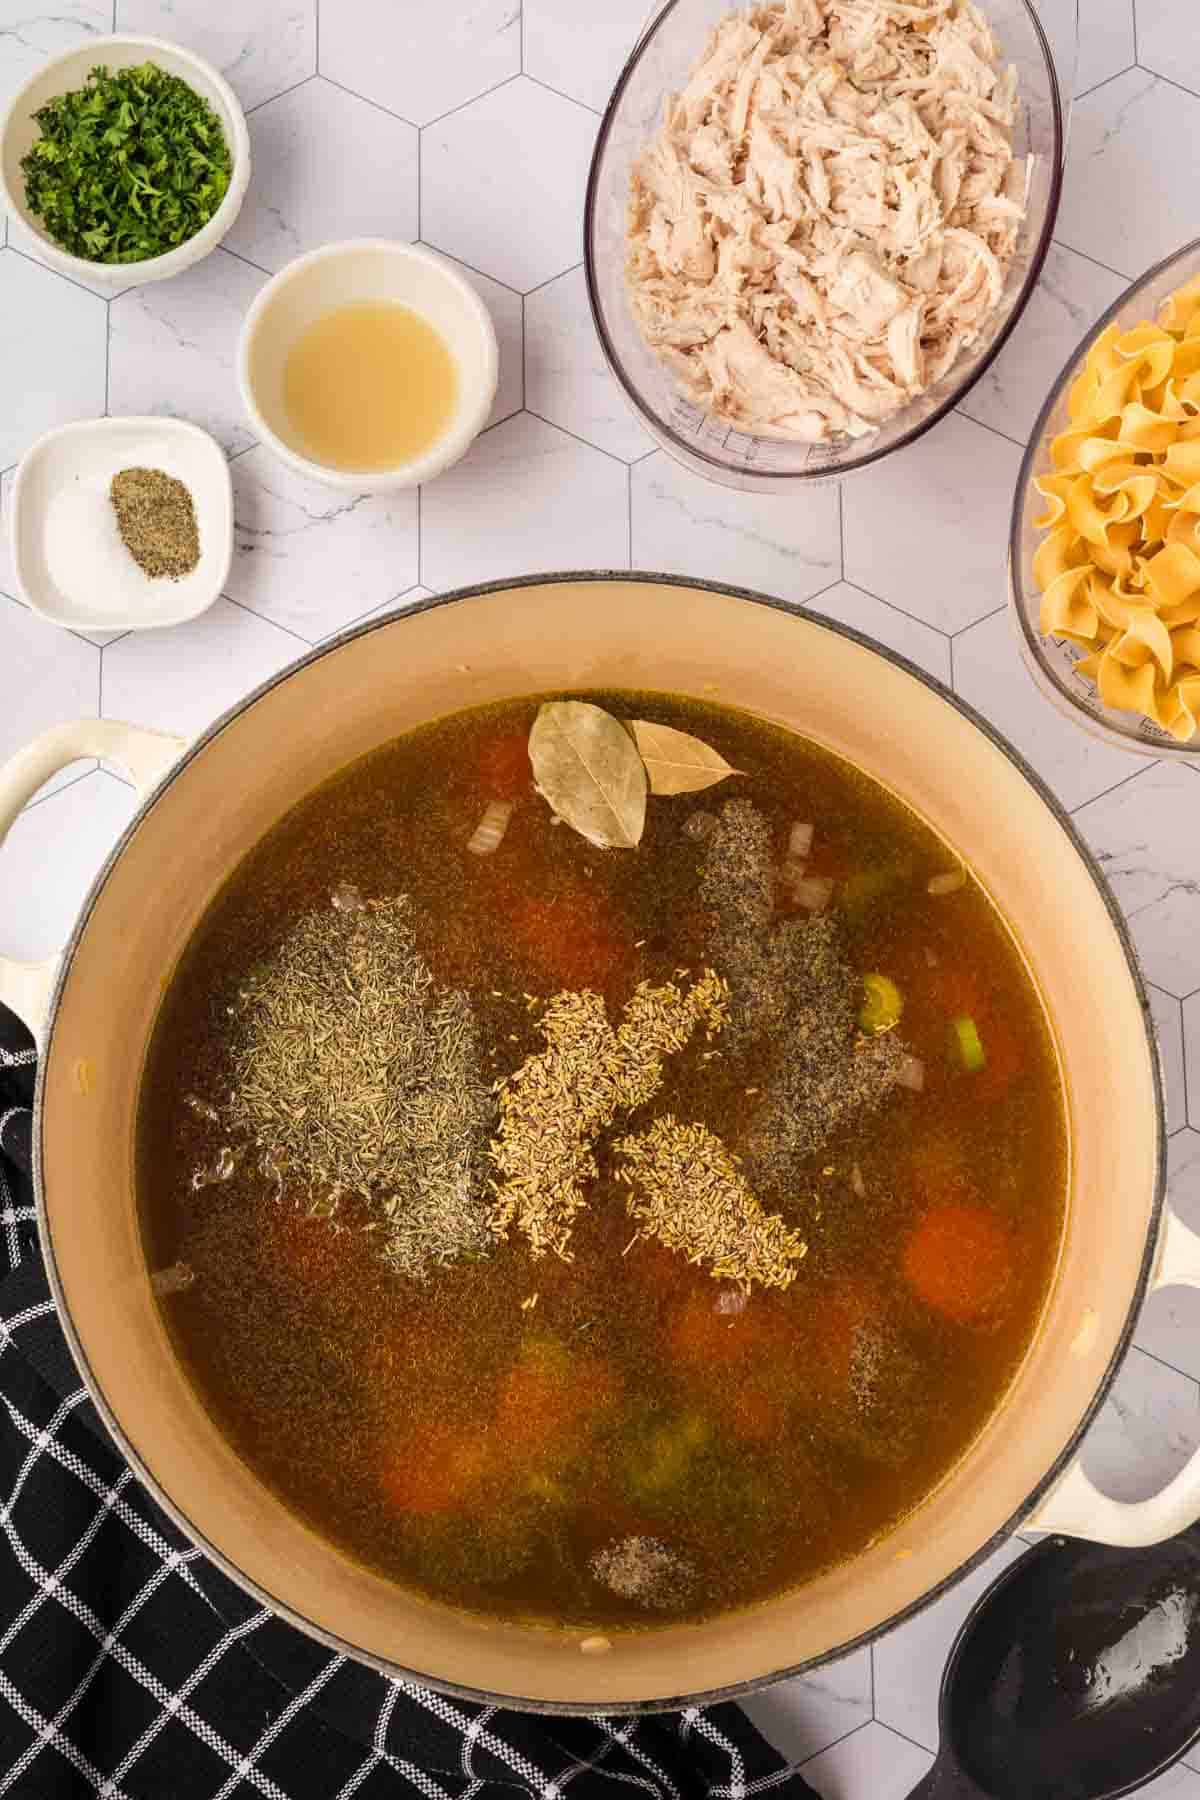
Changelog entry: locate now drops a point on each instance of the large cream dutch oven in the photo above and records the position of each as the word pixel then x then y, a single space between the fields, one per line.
pixel 203 808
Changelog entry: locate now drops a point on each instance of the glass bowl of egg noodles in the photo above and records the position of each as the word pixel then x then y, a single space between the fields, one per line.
pixel 810 226
pixel 1104 547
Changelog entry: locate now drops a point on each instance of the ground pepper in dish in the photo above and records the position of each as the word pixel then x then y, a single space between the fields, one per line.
pixel 157 522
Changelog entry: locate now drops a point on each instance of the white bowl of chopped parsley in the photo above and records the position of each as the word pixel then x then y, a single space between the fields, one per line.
pixel 126 160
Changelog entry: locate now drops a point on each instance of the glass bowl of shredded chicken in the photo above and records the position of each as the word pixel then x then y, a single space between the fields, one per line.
pixel 1104 545
pixel 811 224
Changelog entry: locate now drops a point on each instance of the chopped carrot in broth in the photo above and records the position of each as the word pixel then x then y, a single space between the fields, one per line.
pixel 629 1434
pixel 959 1261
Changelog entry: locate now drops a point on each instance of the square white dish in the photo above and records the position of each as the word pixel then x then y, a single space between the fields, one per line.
pixel 70 563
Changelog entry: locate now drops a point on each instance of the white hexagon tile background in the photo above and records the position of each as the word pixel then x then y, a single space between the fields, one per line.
pixel 468 124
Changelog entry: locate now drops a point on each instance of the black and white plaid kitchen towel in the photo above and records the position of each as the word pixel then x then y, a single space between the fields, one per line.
pixel 132 1669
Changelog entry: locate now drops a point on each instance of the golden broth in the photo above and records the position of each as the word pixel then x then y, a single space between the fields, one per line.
pixel 482 1445
pixel 369 385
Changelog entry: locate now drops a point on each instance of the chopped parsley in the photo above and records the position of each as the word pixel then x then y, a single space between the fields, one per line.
pixel 128 166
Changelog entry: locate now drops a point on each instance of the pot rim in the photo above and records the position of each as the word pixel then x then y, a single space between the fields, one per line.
pixel 735 1690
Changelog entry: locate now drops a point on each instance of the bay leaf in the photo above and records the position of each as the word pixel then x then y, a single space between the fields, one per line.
pixel 588 768
pixel 677 762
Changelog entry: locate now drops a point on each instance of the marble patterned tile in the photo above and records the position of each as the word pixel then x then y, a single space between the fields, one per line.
pixel 502 183
pixel 398 604
pixel 1154 867
pixel 182 679
pixel 1167 40
pixel 1169 1327
pixel 581 50
pixel 8 579
pixel 51 353
pixel 311 557
pixel 506 309
pixel 1106 39
pixel 922 644
pixel 260 46
pixel 989 672
pixel 326 166
pixel 1168 1026
pixel 1191 1050
pixel 874 1762
pixel 525 498
pixel 174 347
pixel 801 1717
pixel 1132 138
pixel 690 526
pixel 31 33
pixel 1070 296
pixel 566 377
pixel 910 1660
pixel 47 676
pixel 25 244
pixel 1180 1783
pixel 1058 22
pixel 958 478
pixel 418 60
pixel 50 858
pixel 1145 1431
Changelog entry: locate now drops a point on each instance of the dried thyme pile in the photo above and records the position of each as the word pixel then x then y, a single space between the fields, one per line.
pixel 354 1075
pixel 689 1194
pixel 554 1106
pixel 157 522
pixel 788 982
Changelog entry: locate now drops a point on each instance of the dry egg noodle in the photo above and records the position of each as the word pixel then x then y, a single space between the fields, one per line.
pixel 377 1316
pixel 1119 569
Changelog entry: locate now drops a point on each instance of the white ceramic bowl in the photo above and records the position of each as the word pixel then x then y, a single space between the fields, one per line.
pixel 367 269
pixel 62 75
pixel 70 564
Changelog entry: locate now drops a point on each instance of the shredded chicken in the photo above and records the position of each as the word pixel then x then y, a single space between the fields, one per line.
pixel 825 218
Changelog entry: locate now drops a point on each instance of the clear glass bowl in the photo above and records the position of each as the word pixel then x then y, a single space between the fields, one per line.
pixel 659 65
pixel 1051 661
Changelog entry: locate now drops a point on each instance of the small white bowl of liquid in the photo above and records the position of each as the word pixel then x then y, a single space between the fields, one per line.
pixel 368 364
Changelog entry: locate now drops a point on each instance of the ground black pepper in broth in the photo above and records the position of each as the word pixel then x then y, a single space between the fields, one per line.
pixel 623 1439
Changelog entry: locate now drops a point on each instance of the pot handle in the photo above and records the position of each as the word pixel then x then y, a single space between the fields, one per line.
pixel 145 756
pixel 1076 1507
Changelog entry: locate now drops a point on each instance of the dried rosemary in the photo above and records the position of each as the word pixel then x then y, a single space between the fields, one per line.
pixel 354 1075
pixel 554 1106
pixel 689 1194
pixel 157 521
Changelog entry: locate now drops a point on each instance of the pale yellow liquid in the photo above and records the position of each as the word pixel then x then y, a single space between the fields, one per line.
pixel 369 385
